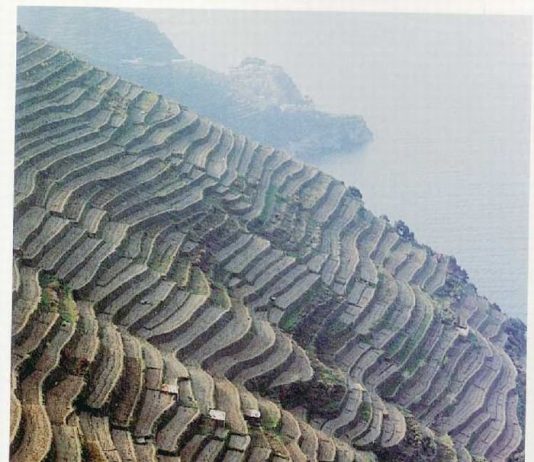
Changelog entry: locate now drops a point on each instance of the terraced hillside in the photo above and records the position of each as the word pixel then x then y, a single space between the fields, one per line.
pixel 184 293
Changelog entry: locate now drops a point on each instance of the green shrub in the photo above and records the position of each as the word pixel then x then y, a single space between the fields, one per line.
pixel 365 411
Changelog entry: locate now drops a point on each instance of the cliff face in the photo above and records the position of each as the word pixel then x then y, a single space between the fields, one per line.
pixel 256 99
pixel 166 267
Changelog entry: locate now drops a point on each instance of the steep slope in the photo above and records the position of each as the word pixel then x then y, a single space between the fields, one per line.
pixel 133 48
pixel 250 269
pixel 115 36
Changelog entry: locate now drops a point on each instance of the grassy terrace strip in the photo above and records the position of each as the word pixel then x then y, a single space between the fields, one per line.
pixel 108 367
pixel 27 297
pixel 209 270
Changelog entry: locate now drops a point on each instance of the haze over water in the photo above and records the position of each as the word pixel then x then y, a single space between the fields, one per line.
pixel 447 99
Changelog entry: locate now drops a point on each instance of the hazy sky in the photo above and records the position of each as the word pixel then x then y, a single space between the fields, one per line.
pixel 447 98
